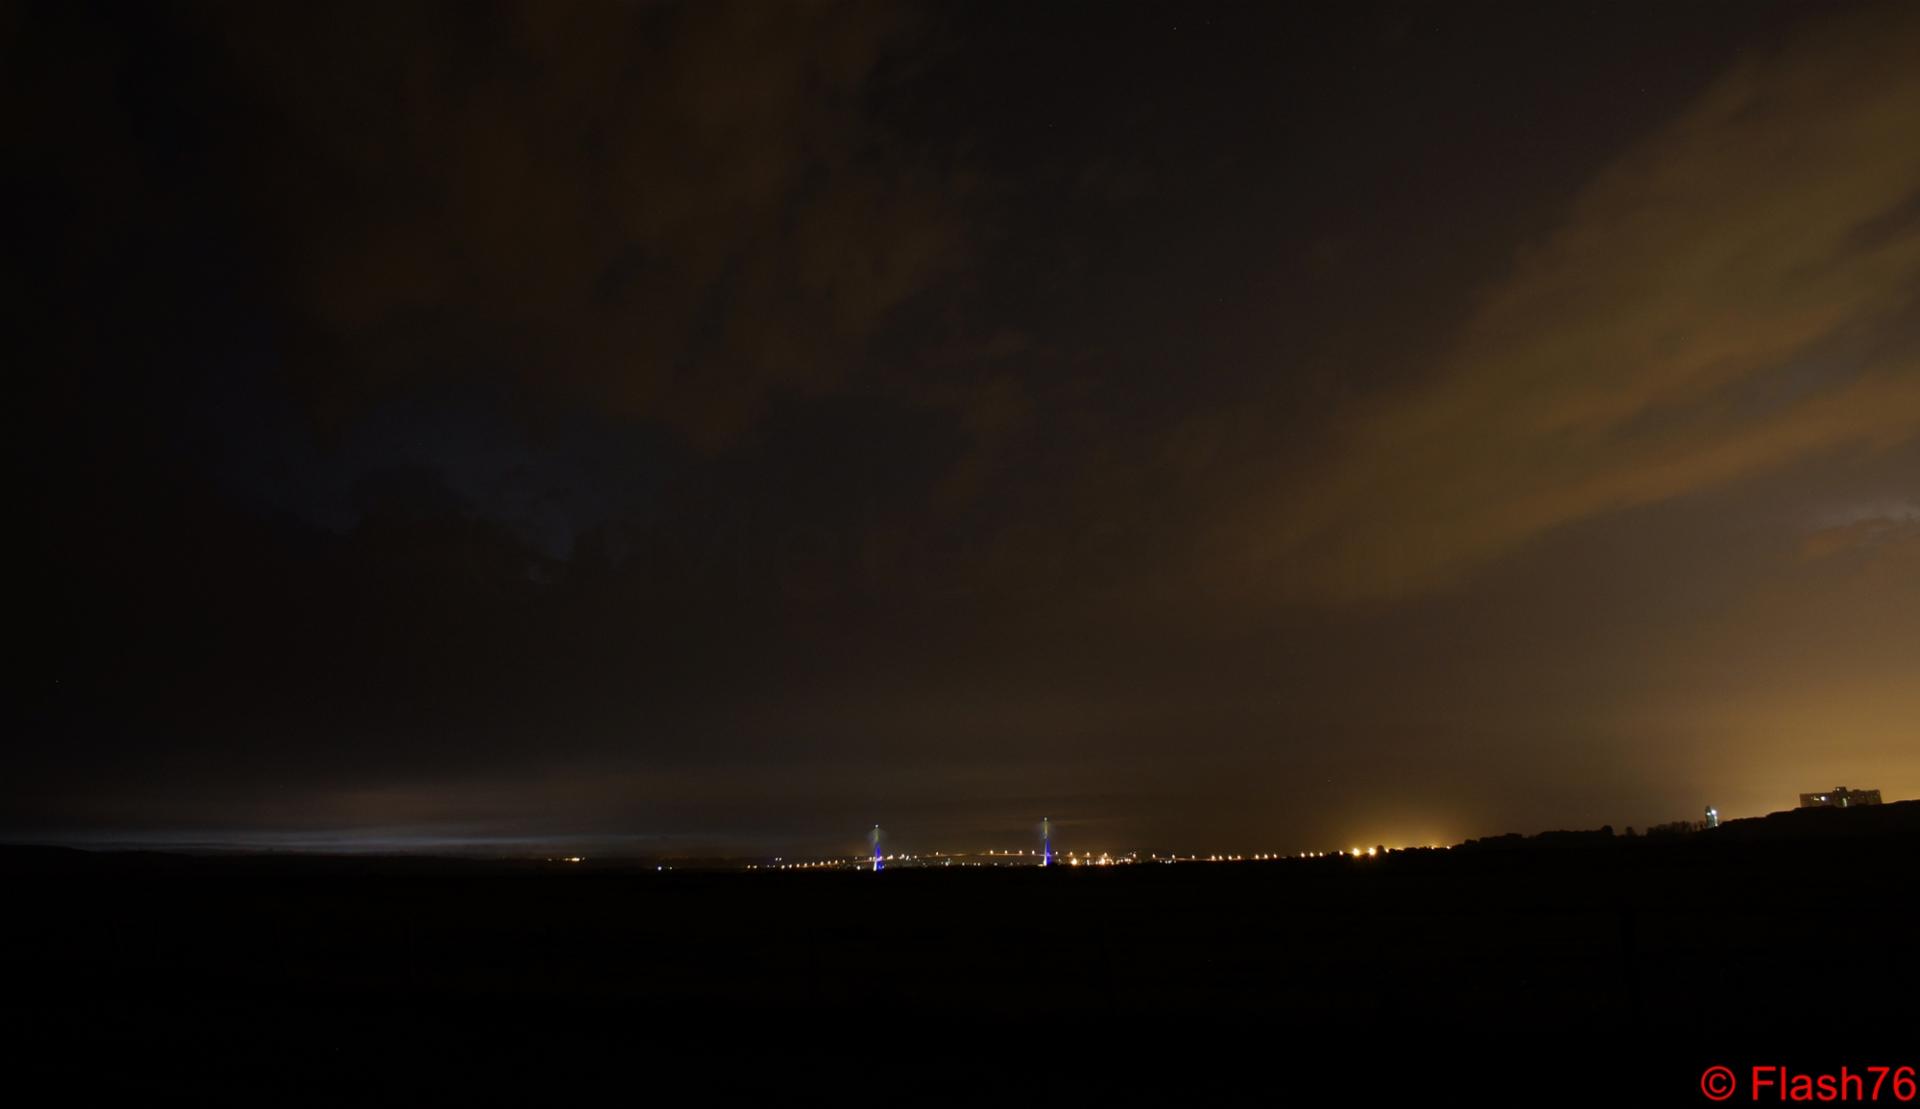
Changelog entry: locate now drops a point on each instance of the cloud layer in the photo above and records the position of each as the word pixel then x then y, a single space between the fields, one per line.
pixel 1735 292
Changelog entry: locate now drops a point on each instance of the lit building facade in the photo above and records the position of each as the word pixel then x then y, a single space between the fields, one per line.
pixel 1840 797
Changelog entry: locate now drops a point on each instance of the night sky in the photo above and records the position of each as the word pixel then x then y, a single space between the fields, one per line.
pixel 720 428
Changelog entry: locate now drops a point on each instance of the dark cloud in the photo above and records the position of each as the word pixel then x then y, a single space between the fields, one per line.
pixel 670 212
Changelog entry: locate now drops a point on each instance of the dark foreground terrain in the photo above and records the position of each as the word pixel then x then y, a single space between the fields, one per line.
pixel 1584 970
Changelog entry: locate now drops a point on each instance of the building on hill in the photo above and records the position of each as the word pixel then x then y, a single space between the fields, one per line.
pixel 1840 797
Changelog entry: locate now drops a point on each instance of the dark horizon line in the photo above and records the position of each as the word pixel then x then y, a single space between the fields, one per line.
pixel 543 849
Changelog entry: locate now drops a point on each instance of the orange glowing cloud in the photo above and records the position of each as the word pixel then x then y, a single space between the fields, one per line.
pixel 1724 298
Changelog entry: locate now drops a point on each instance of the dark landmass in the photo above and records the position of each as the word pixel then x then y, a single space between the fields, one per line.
pixel 1564 967
pixel 1866 822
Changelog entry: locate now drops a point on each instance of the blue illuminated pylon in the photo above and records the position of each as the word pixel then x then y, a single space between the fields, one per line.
pixel 875 837
pixel 1046 842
